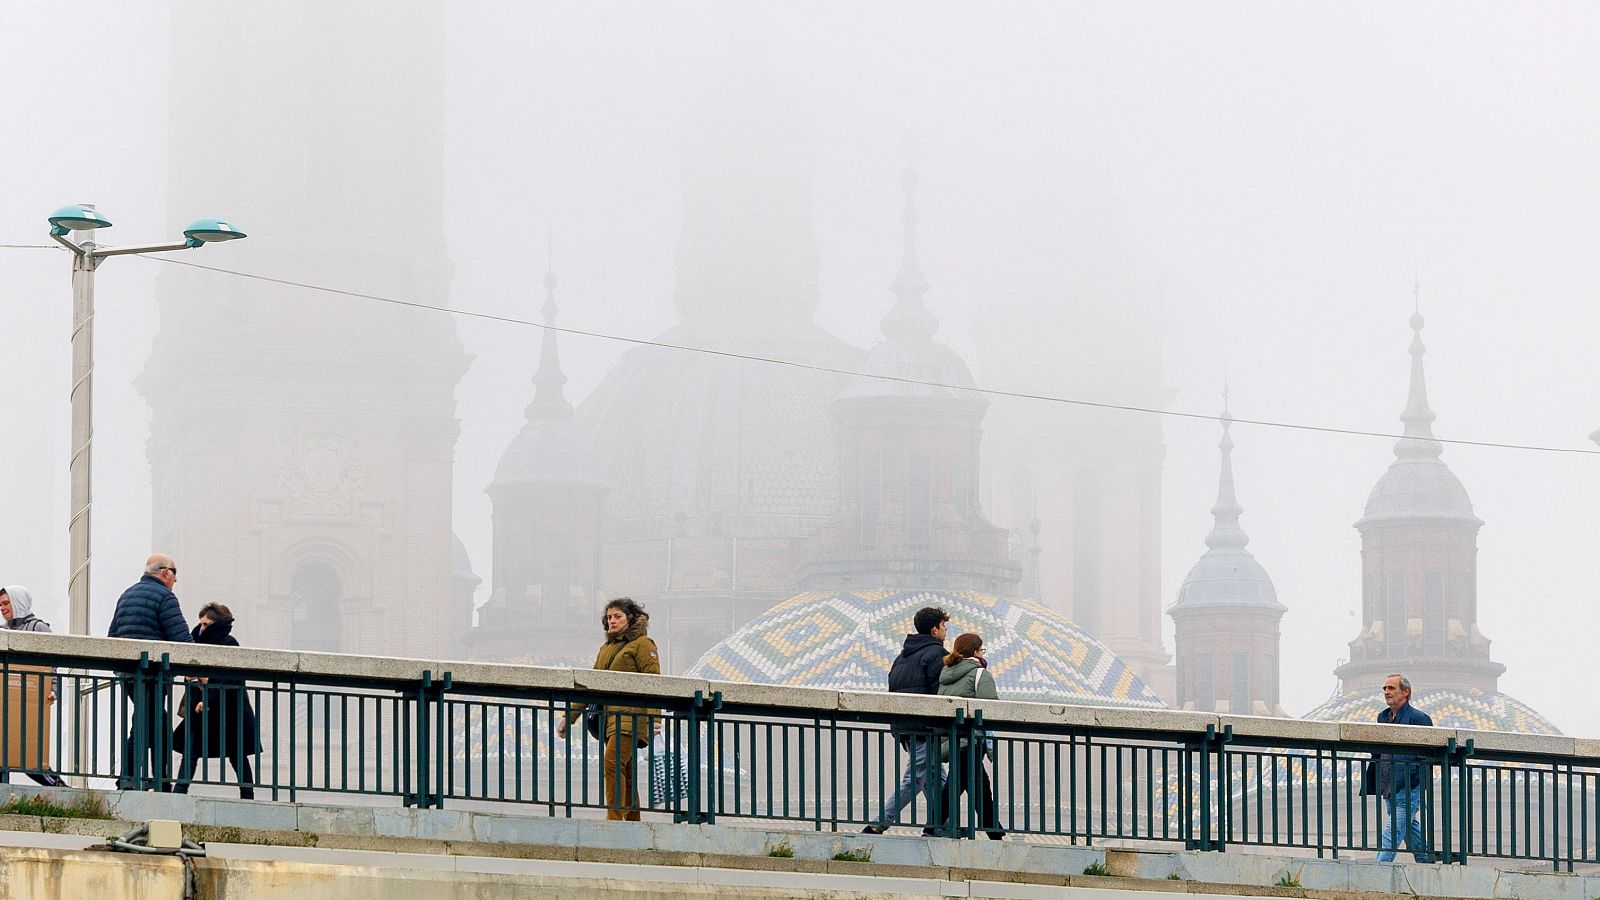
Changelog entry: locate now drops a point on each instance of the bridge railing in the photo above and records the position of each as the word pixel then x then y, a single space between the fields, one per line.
pixel 432 733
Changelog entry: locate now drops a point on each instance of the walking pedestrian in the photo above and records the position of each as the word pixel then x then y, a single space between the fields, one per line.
pixel 621 729
pixel 966 674
pixel 148 611
pixel 218 720
pixel 16 605
pixel 916 671
pixel 1399 777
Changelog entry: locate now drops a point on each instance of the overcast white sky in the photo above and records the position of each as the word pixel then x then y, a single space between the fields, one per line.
pixel 1269 177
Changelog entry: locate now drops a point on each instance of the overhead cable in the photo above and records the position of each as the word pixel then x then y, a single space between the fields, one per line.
pixel 833 370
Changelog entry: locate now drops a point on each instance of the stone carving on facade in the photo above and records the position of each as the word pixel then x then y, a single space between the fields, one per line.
pixel 323 473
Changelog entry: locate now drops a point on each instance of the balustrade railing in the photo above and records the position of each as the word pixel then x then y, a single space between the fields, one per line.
pixel 477 735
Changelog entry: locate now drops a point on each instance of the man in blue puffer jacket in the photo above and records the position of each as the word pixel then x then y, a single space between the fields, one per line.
pixel 149 611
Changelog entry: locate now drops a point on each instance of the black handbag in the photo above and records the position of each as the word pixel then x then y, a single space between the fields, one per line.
pixel 591 722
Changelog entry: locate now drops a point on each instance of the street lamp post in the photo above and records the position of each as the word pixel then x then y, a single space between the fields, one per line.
pixel 86 257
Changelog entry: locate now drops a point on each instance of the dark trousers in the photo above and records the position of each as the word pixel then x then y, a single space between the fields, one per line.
pixel 983 791
pixel 241 769
pixel 147 733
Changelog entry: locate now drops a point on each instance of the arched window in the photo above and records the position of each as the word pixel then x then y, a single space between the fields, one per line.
pixel 315 621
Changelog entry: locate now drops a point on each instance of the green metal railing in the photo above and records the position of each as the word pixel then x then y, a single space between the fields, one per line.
pixel 433 740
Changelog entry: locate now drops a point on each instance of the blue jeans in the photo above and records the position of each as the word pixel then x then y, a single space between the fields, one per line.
pixel 1405 811
pixel 914 780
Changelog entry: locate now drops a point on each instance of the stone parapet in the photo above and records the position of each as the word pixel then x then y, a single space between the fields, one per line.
pixel 491 677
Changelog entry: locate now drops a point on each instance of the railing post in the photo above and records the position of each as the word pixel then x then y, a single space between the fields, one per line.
pixel 691 789
pixel 134 769
pixel 443 743
pixel 161 708
pixel 714 766
pixel 972 763
pixel 1205 788
pixel 1464 807
pixel 1213 743
pixel 422 798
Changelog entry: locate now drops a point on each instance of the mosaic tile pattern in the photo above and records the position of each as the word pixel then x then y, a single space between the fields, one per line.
pixel 847 641
pixel 1450 707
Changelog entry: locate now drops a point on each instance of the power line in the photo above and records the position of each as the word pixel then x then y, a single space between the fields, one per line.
pixel 29 247
pixel 727 354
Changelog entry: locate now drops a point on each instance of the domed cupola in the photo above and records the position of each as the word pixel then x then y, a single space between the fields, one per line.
pixel 1418 485
pixel 549 509
pixel 1227 574
pixel 1419 557
pixel 549 449
pixel 909 363
pixel 1227 615
pixel 908 431
pixel 848 640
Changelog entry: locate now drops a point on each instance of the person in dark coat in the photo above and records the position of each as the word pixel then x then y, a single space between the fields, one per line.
pixel 1399 777
pixel 148 611
pixel 916 671
pixel 218 720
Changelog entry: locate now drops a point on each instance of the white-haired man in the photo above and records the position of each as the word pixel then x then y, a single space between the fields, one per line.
pixel 1400 777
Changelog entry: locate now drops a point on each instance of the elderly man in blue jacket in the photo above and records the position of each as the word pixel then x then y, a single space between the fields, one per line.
pixel 1400 777
pixel 149 611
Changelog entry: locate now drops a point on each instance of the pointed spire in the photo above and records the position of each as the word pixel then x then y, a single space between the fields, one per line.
pixel 549 395
pixel 909 318
pixel 1226 533
pixel 1419 442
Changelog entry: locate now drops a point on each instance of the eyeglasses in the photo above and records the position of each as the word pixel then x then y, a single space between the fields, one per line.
pixel 172 569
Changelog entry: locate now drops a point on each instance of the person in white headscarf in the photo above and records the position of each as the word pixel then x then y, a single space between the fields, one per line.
pixel 16 605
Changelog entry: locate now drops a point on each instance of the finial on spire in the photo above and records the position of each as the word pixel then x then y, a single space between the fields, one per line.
pixel 549 395
pixel 909 318
pixel 1225 532
pixel 1418 442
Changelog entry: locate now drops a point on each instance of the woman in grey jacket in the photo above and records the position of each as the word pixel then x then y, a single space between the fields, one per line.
pixel 16 605
pixel 966 674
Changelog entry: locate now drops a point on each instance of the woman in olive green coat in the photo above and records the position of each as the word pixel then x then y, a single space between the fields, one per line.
pixel 966 674
pixel 623 729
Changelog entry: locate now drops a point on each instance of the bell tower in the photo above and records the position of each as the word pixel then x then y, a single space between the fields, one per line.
pixel 302 441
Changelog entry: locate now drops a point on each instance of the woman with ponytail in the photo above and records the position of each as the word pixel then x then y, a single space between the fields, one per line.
pixel 966 674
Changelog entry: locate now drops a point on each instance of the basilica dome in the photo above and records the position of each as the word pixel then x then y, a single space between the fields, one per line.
pixel 848 641
pixel 1449 707
pixel 698 434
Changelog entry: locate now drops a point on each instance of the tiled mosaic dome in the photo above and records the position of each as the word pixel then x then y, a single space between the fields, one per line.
pixel 847 641
pixel 1449 707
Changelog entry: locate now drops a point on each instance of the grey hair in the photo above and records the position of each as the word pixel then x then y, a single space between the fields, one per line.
pixel 154 567
pixel 1405 683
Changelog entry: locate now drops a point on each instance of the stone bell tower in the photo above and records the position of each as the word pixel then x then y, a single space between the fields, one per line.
pixel 302 441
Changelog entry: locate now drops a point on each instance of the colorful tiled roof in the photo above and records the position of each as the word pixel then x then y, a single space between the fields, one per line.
pixel 847 641
pixel 1450 707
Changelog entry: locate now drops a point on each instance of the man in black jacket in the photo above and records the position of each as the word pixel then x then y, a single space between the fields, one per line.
pixel 916 671
pixel 148 611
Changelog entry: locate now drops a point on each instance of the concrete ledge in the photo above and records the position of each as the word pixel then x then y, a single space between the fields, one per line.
pixel 1022 868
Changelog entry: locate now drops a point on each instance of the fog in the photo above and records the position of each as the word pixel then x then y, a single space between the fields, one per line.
pixel 1129 205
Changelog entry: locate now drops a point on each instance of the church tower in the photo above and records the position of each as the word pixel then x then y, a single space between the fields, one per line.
pixel 1419 565
pixel 549 510
pixel 720 467
pixel 302 441
pixel 908 461
pixel 1227 615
